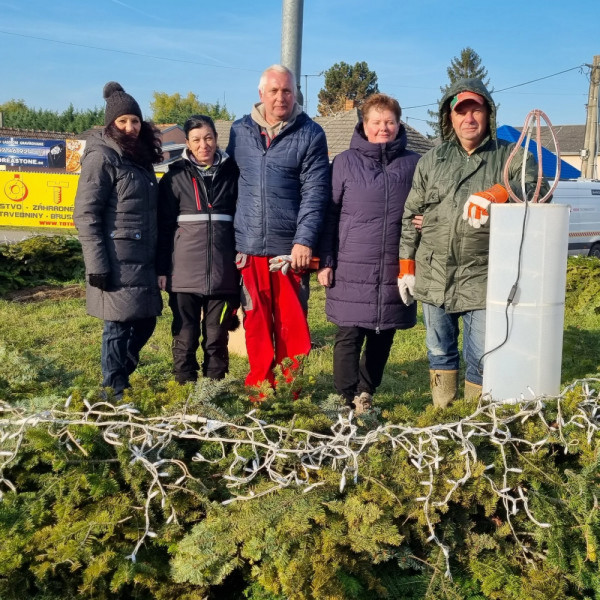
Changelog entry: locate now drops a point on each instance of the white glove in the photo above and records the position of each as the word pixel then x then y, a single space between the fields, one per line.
pixel 476 211
pixel 280 263
pixel 406 286
pixel 240 260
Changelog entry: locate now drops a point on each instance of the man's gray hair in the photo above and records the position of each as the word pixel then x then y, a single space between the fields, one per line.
pixel 277 69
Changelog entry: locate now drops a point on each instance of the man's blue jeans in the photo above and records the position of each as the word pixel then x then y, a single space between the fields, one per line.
pixel 442 340
pixel 121 345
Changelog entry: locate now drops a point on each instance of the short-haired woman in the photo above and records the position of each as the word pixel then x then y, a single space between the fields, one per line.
pixel 115 214
pixel 196 258
pixel 359 249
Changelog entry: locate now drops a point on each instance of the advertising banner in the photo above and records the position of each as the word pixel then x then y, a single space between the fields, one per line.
pixel 43 200
pixel 55 154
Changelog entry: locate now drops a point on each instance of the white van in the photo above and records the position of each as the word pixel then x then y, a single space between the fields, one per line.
pixel 583 196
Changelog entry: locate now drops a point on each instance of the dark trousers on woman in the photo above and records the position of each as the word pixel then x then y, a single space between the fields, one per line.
pixel 353 373
pixel 121 345
pixel 194 314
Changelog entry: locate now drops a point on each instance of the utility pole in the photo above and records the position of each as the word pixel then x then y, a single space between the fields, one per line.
pixel 306 88
pixel 589 153
pixel 291 40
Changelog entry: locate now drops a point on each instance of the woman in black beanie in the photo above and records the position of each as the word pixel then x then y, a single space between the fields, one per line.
pixel 115 214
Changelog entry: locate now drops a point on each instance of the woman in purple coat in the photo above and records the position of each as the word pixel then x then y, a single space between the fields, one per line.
pixel 359 249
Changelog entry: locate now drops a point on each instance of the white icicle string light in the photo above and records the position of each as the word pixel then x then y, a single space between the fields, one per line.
pixel 293 457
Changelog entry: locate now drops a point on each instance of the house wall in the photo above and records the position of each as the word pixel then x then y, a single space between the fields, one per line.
pixel 575 161
pixel 173 135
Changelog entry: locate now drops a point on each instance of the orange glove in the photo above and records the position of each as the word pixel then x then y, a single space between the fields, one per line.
pixel 406 281
pixel 477 205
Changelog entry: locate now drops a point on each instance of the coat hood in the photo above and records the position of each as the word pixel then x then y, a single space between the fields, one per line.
pixel 185 161
pixel 464 85
pixel 377 151
pixel 99 138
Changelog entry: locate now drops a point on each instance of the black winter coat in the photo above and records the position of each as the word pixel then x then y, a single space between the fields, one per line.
pixel 195 229
pixel 115 215
pixel 362 234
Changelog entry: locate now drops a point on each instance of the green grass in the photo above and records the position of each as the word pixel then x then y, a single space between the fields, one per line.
pixel 407 373
pixel 62 343
pixel 50 348
pixel 59 336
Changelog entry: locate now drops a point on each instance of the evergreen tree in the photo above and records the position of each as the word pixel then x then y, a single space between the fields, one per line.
pixel 83 120
pixel 342 82
pixel 18 115
pixel 466 65
pixel 173 108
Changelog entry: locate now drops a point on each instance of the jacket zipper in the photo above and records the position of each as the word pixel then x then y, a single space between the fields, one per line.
pixel 382 254
pixel 210 235
pixel 268 142
pixel 197 193
pixel 263 203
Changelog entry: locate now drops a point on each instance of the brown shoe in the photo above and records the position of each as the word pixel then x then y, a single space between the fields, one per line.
pixel 362 403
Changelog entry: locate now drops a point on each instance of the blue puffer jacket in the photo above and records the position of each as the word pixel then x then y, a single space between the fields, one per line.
pixel 283 189
pixel 362 233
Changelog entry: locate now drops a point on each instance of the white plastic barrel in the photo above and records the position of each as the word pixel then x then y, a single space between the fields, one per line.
pixel 529 363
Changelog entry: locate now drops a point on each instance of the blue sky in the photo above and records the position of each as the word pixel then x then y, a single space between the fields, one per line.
pixel 61 52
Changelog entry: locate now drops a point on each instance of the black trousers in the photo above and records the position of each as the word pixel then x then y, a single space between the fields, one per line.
pixel 121 345
pixel 194 315
pixel 353 373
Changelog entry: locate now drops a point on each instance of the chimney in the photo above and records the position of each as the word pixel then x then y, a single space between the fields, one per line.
pixel 350 104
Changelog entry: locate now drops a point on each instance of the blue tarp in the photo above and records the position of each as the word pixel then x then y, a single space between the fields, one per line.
pixel 567 171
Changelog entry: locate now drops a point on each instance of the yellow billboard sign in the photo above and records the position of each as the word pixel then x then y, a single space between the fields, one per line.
pixel 45 200
pixel 37 199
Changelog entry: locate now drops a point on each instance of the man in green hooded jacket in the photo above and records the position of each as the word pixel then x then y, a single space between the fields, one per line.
pixel 445 263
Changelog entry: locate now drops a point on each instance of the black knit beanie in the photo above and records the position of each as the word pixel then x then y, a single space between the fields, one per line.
pixel 118 103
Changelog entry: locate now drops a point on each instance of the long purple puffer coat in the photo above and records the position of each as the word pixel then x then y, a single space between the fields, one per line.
pixel 361 239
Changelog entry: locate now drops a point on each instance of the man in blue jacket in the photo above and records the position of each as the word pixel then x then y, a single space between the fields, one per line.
pixel 283 195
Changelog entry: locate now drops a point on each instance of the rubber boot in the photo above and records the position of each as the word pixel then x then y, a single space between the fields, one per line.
pixel 444 387
pixel 472 390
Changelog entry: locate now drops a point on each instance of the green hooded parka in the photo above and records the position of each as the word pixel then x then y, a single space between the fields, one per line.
pixel 452 256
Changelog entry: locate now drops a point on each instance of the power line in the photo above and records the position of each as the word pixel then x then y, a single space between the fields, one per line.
pixel 406 118
pixel 546 94
pixel 193 62
pixel 539 79
pixel 506 88
pixel 177 60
